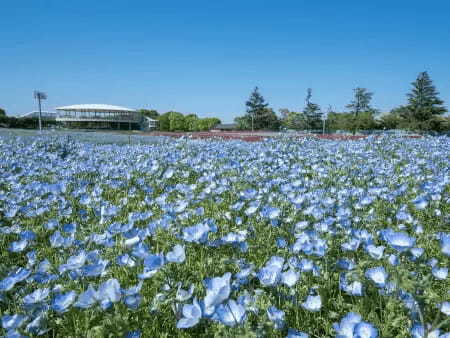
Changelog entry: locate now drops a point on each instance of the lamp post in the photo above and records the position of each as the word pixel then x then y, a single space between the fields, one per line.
pixel 40 96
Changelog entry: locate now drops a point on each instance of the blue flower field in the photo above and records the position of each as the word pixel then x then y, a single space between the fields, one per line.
pixel 161 237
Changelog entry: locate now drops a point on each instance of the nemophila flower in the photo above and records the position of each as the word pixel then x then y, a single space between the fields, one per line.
pixel 133 334
pixel 352 245
pixel 140 250
pixel 183 295
pixel 87 298
pixel 74 262
pixel 378 275
pixel 217 290
pixel 276 316
pixel 13 278
pixel 154 262
pixel 70 228
pixel 312 303
pixel 38 325
pixel 109 292
pixel 399 241
pixel 61 302
pixel 13 322
pixel 37 296
pixel 445 244
pixel 439 273
pixel 168 173
pixel 349 285
pixel 352 326
pixel 94 270
pixel 345 264
pixel 197 233
pixel 292 333
pixel 231 313
pixel 365 330
pixel 18 246
pixel 445 308
pixel 125 260
pixel 270 274
pixel 177 255
pixel 290 277
pixel 420 203
pixel 417 252
pixel 375 252
pixel 192 313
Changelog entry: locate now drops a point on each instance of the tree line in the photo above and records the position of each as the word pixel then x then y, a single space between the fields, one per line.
pixel 422 112
pixel 175 121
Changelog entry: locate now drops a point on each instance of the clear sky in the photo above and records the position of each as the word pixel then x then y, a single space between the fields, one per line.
pixel 205 57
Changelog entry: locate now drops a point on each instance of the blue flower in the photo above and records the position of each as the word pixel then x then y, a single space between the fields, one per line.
pixel 375 252
pixel 18 246
pixel 109 292
pixel 290 277
pixel 276 316
pixel 445 308
pixel 197 233
pixel 87 298
pixel 231 313
pixel 217 290
pixel 177 255
pixel 63 301
pixel 191 315
pixel 125 260
pixel 13 322
pixel 37 296
pixel 400 241
pixel 270 274
pixel 439 273
pixel 312 303
pixel 378 275
pixel 292 333
pixel 365 330
pixel 133 334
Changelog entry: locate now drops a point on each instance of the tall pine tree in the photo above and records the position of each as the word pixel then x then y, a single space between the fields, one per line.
pixel 423 101
pixel 259 115
pixel 361 101
pixel 312 112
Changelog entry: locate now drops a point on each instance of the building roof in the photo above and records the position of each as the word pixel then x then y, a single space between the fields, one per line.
pixel 96 108
pixel 36 114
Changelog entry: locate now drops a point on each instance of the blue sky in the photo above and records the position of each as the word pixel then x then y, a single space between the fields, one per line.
pixel 205 57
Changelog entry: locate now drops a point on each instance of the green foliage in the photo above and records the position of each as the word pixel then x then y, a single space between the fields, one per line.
pixel 2 112
pixel 361 101
pixel 258 114
pixel 151 113
pixel 423 101
pixel 192 122
pixel 312 112
pixel 350 122
pixel 293 120
pixel 175 121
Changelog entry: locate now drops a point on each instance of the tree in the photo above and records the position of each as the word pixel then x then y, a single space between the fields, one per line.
pixel 292 119
pixel 151 113
pixel 256 110
pixel 164 122
pixel 191 122
pixel 361 101
pixel 423 101
pixel 176 121
pixel 2 112
pixel 312 112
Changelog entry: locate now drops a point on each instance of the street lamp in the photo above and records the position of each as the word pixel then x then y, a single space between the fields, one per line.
pixel 40 96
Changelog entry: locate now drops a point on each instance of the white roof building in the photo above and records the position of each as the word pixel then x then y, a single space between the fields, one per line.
pixel 96 108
